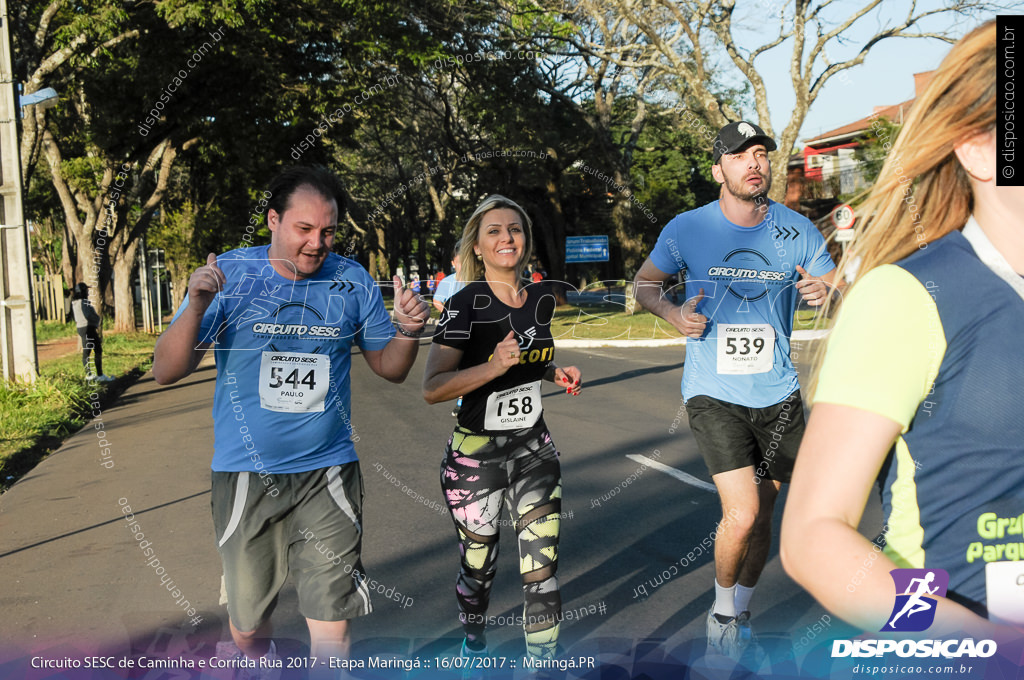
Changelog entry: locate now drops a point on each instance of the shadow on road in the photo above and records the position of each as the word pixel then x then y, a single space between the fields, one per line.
pixel 636 373
pixel 96 526
pixel 135 396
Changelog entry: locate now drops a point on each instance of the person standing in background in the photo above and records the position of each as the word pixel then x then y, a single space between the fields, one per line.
pixel 87 319
pixel 449 285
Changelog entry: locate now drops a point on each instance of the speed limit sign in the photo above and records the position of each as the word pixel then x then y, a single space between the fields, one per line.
pixel 842 216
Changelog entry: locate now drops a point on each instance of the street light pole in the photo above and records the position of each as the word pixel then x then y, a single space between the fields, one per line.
pixel 17 316
pixel 157 267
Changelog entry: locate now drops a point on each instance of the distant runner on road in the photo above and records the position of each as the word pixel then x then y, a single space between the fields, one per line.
pixel 747 261
pixel 286 486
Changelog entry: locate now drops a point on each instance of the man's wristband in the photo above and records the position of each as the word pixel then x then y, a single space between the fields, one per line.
pixel 414 334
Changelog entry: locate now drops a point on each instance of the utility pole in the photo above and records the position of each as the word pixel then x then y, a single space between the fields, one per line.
pixel 17 316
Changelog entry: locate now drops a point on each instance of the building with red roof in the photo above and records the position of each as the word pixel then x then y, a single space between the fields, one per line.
pixel 828 158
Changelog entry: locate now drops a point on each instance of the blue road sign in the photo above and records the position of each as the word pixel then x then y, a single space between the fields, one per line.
pixel 586 249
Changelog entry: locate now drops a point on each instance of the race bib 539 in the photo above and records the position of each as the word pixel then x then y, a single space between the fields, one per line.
pixel 745 348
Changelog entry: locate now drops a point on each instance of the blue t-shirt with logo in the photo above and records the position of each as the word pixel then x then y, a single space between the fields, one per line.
pixel 449 286
pixel 748 275
pixel 283 349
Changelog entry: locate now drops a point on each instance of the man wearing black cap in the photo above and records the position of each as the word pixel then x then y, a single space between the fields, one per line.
pixel 747 260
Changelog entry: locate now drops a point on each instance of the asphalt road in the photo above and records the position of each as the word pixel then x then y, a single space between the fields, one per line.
pixel 624 523
pixel 76 580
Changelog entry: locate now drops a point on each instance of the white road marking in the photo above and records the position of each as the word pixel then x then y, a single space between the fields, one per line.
pixel 672 472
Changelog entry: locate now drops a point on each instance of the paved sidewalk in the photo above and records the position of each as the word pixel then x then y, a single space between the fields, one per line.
pixel 74 574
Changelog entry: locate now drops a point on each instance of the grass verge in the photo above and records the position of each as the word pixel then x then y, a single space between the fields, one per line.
pixel 55 330
pixel 35 419
pixel 609 322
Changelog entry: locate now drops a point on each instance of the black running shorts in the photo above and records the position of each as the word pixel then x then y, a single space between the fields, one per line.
pixel 731 436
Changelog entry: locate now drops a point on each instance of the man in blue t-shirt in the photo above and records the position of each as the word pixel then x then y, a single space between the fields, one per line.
pixel 286 490
pixel 747 259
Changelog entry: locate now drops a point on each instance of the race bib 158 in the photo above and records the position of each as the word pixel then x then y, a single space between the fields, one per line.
pixel 513 409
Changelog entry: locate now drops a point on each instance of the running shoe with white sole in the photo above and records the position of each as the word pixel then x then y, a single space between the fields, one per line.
pixel 244 668
pixel 723 638
pixel 475 650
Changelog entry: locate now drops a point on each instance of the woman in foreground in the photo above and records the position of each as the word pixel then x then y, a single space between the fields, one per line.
pixel 922 382
pixel 494 346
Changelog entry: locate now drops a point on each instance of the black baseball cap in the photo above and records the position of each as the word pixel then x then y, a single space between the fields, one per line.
pixel 737 136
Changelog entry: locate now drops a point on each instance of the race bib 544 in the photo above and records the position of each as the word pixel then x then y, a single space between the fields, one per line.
pixel 294 382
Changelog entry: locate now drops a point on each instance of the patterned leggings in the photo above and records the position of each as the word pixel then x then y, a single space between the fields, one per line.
pixel 521 468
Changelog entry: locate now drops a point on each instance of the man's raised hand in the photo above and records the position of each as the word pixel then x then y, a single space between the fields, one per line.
pixel 813 290
pixel 411 312
pixel 204 284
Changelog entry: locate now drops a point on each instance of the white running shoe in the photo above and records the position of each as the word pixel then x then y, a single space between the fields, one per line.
pixel 468 651
pixel 723 638
pixel 266 668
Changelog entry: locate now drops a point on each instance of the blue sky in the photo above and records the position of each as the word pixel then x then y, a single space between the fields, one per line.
pixel 885 78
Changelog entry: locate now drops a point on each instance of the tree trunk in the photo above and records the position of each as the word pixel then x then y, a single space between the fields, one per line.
pixel 780 167
pixel 556 234
pixel 89 246
pixel 179 286
pixel 124 295
pixel 88 263
pixel 623 217
pixel 421 263
pixel 67 266
pixel 378 259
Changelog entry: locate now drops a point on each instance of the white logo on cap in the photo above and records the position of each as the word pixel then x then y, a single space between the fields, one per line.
pixel 746 130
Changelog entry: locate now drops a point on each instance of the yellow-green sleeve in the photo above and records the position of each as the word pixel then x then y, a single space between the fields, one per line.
pixel 886 347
